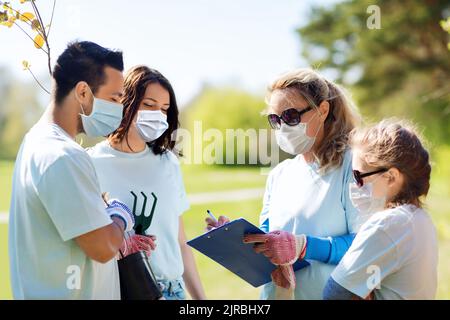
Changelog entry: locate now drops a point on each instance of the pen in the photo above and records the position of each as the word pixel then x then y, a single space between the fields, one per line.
pixel 211 215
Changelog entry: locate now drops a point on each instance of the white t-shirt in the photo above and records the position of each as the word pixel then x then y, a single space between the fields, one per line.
pixel 300 200
pixel 134 177
pixel 395 249
pixel 56 198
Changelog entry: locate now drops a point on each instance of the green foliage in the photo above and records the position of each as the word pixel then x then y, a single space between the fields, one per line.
pixel 226 108
pixel 19 110
pixel 445 24
pixel 401 69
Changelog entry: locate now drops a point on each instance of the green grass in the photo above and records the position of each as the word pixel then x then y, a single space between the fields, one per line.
pixel 5 288
pixel 439 208
pixel 199 178
pixel 219 283
pixel 6 170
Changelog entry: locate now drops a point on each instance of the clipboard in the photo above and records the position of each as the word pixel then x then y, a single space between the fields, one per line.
pixel 225 246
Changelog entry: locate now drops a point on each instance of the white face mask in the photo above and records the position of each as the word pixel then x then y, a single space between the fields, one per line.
pixel 105 117
pixel 151 124
pixel 293 139
pixel 363 200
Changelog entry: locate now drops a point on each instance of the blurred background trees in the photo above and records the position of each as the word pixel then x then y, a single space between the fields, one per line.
pixel 227 112
pixel 19 110
pixel 402 69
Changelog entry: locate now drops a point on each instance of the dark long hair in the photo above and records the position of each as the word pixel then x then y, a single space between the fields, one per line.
pixel 136 81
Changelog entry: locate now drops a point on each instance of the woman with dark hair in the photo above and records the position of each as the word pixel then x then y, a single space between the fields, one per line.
pixel 136 164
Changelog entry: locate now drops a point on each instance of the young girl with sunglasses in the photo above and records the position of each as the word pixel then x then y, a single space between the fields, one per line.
pixel 394 254
pixel 306 208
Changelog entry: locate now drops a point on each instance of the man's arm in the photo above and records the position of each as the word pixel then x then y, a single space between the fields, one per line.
pixel 103 244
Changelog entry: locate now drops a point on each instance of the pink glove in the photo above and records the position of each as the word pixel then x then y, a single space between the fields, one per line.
pixel 136 242
pixel 281 247
pixel 211 223
pixel 284 276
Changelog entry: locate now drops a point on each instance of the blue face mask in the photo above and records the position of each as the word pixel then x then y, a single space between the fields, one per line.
pixel 105 117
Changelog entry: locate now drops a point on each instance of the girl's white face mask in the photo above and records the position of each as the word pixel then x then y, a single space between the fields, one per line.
pixel 363 200
pixel 293 139
pixel 151 124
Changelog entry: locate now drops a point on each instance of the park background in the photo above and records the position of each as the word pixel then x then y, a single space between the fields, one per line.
pixel 219 56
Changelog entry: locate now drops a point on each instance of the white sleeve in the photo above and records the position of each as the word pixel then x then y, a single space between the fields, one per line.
pixel 70 193
pixel 371 257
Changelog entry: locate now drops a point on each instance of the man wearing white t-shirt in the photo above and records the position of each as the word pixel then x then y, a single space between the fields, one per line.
pixel 62 240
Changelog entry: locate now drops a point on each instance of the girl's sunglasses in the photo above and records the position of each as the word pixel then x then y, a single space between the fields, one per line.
pixel 291 117
pixel 359 176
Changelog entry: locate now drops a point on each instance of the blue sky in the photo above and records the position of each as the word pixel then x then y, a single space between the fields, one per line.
pixel 244 43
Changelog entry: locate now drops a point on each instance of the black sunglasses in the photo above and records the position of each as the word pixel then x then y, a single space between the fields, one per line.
pixel 291 117
pixel 359 176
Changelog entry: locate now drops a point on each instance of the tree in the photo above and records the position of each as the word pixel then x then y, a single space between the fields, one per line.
pixel 234 115
pixel 32 25
pixel 19 110
pixel 401 69
pixel 445 24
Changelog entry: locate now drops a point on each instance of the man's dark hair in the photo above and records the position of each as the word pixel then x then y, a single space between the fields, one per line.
pixel 83 61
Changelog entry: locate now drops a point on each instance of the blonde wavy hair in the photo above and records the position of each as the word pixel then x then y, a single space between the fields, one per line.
pixel 342 116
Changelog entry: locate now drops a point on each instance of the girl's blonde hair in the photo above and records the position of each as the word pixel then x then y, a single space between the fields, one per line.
pixel 396 144
pixel 342 116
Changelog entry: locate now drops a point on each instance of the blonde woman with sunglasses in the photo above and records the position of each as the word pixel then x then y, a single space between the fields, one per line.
pixel 306 208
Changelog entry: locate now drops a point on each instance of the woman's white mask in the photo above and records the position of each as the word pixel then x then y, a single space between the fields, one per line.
pixel 151 124
pixel 293 139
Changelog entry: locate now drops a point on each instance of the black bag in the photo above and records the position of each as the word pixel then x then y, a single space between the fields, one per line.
pixel 137 281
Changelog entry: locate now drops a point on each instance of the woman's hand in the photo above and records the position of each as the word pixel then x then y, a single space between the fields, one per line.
pixel 211 223
pixel 281 247
pixel 284 276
